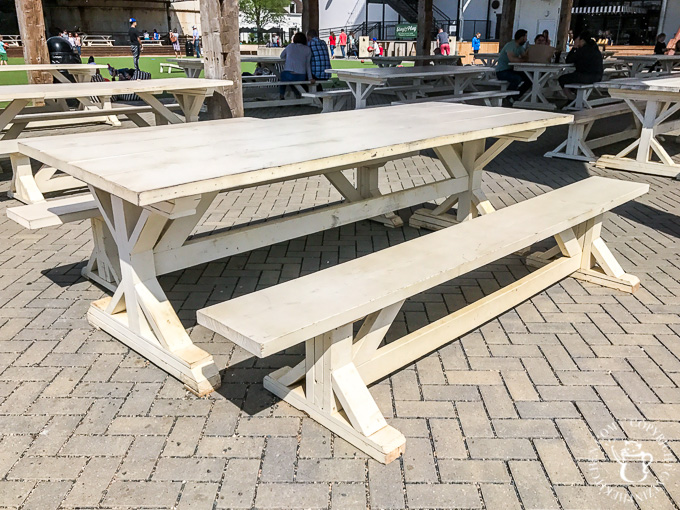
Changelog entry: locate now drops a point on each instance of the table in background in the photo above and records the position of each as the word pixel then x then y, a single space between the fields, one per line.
pixel 362 82
pixel 488 59
pixel 152 203
pixel 640 64
pixel 394 61
pixel 81 72
pixel 655 102
pixel 543 79
pixel 192 66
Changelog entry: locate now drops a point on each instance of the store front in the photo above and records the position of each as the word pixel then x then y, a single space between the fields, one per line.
pixel 632 22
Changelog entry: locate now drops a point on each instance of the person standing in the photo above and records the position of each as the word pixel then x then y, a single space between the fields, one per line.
pixel 320 60
pixel 3 53
pixel 331 43
pixel 197 42
pixel 353 46
pixel 342 41
pixel 443 41
pixel 135 42
pixel 79 44
pixel 174 39
pixel 476 43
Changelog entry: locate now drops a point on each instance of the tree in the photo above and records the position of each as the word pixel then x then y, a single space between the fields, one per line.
pixel 263 12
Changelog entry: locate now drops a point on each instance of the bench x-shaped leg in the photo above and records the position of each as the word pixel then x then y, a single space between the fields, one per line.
pixel 139 313
pixel 367 187
pixel 328 386
pixel 598 263
pixel 647 145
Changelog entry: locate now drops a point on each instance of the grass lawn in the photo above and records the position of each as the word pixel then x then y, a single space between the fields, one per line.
pixel 152 65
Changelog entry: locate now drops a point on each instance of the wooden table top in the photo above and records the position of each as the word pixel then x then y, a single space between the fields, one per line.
pixel 648 58
pixel 52 67
pixel 106 88
pixel 150 165
pixel 667 83
pixel 261 58
pixel 408 72
pixel 188 61
pixel 420 58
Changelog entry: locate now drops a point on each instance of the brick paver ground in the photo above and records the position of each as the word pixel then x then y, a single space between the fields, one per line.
pixel 529 411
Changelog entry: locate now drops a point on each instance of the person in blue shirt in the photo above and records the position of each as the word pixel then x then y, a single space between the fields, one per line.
pixel 476 43
pixel 514 52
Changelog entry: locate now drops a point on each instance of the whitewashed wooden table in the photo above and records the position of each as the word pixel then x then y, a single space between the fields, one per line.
pixel 81 72
pixel 189 93
pixel 655 102
pixel 451 60
pixel 487 59
pixel 362 82
pixel 192 66
pixel 640 64
pixel 543 79
pixel 151 204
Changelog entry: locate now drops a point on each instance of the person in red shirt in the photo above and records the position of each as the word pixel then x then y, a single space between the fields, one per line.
pixel 331 43
pixel 342 41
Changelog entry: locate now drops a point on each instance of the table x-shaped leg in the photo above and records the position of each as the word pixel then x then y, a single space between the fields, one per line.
pixel 139 314
pixel 361 91
pixel 647 145
pixel 534 97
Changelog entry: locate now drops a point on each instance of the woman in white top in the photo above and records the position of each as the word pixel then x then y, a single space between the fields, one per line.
pixel 298 66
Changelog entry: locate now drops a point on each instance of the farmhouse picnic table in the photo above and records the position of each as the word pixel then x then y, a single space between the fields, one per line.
pixel 640 64
pixel 189 93
pixel 150 206
pixel 488 59
pixel 394 61
pixel 274 64
pixel 81 72
pixel 192 66
pixel 655 102
pixel 543 79
pixel 362 82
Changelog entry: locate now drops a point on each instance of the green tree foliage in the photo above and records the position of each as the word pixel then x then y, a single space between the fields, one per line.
pixel 263 12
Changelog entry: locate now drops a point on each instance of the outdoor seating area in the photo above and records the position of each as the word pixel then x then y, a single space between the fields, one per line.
pixel 309 282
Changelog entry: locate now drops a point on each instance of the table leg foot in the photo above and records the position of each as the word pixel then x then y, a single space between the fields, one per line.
pixel 190 364
pixel 384 445
pixel 426 218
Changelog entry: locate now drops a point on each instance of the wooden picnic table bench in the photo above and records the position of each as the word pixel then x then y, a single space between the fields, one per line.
pixel 319 310
pixel 16 116
pixel 150 206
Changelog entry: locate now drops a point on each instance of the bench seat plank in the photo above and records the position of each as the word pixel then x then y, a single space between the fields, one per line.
pixel 301 309
pixel 54 212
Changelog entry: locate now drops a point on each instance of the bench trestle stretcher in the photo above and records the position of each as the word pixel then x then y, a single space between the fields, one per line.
pixel 331 383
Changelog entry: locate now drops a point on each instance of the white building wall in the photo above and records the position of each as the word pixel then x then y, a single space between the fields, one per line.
pixel 537 15
pixel 672 20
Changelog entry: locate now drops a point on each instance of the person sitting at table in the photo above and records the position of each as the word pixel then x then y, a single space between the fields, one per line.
pixel 540 52
pixel 587 59
pixel 298 66
pixel 660 46
pixel 513 52
pixel 321 61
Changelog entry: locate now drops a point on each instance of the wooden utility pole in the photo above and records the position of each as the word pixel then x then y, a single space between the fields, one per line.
pixel 310 15
pixel 424 41
pixel 565 23
pixel 32 31
pixel 507 21
pixel 222 55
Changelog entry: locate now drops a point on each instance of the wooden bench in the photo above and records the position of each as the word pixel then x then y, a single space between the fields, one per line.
pixel 583 92
pixel 578 147
pixel 320 309
pixel 169 68
pixel 489 97
pixel 250 102
pixel 55 212
pixel 41 120
pixel 331 100
pixel 493 82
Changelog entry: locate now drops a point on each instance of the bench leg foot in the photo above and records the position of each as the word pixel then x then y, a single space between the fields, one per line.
pixel 598 263
pixel 23 186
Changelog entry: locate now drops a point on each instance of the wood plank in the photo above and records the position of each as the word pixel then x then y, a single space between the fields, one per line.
pixel 378 280
pixel 367 135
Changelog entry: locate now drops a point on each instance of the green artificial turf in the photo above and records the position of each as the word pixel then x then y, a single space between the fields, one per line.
pixel 152 65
